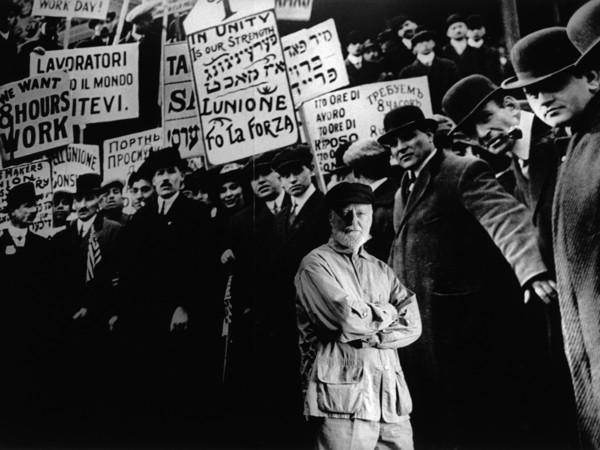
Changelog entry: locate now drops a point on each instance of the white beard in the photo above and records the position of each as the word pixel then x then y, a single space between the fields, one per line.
pixel 352 240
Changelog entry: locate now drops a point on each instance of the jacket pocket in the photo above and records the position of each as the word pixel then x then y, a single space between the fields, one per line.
pixel 403 399
pixel 340 388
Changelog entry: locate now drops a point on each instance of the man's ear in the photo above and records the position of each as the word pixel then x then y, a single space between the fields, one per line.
pixel 592 77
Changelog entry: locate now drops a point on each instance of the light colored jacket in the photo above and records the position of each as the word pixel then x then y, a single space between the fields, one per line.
pixel 353 314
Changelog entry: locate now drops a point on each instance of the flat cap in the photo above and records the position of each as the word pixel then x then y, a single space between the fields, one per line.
pixel 298 154
pixel 345 193
pixel 363 148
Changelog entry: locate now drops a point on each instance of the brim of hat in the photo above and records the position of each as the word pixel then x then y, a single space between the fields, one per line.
pixel 515 83
pixel 384 137
pixel 588 54
pixel 476 108
pixel 289 163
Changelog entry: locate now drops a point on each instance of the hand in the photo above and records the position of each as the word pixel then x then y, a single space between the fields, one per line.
pixel 544 289
pixel 111 322
pixel 179 320
pixel 80 314
pixel 227 256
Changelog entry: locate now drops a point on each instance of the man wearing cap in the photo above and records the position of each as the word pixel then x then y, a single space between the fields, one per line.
pixel 441 73
pixel 352 315
pixel 102 32
pixel 62 205
pixel 112 201
pixel 372 62
pixel 457 33
pixel 354 59
pixel 370 163
pixel 168 253
pixel 575 223
pixel 458 233
pixel 482 58
pixel 140 187
pixel 24 270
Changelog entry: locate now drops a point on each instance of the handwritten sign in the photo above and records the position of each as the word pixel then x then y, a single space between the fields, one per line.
pixel 35 115
pixel 293 9
pixel 315 62
pixel 72 161
pixel 208 13
pixel 125 154
pixel 179 6
pixel 39 174
pixel 180 116
pixel 240 76
pixel 85 9
pixel 357 113
pixel 103 80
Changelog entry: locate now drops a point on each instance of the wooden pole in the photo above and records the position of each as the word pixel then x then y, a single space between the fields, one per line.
pixel 67 34
pixel 510 18
pixel 122 14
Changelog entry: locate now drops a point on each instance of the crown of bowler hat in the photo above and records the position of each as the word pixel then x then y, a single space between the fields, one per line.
pixel 161 159
pixel 466 97
pixel 541 55
pixel 343 194
pixel 474 22
pixel 19 195
pixel 88 183
pixel 299 154
pixel 401 118
pixel 454 18
pixel 583 30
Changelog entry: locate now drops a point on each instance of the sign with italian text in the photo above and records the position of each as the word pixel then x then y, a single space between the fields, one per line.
pixel 70 162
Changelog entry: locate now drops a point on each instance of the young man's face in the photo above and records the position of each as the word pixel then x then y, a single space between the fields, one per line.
pixel 61 208
pixel 411 147
pixel 86 205
pixel 266 184
pixel 458 30
pixel 167 181
pixel 113 198
pixel 295 179
pixel 492 125
pixel 561 99
pixel 476 34
pixel 24 215
pixel 354 48
pixel 371 54
pixel 141 192
pixel 424 47
pixel 231 194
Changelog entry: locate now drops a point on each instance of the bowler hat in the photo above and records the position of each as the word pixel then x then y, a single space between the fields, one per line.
pixel 88 183
pixel 421 36
pixel 161 159
pixel 354 37
pixel 583 30
pixel 299 155
pixel 399 119
pixel 454 18
pixel 344 193
pixel 541 55
pixel 466 97
pixel 474 22
pixel 19 195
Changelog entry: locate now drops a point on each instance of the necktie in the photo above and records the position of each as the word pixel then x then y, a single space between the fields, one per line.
pixel 93 257
pixel 407 185
pixel 293 213
pixel 161 208
pixel 275 209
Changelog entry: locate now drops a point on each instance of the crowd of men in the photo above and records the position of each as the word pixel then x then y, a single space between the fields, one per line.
pixel 441 292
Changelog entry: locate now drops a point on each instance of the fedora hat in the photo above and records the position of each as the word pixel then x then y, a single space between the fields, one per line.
pixel 583 30
pixel 88 183
pixel 466 97
pixel 19 195
pixel 401 118
pixel 539 56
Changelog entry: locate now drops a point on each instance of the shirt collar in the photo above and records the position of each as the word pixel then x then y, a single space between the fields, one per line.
pixel 418 170
pixel 521 147
pixel 5 35
pixel 426 59
pixel 167 202
pixel 16 232
pixel 84 226
pixel 407 43
pixel 377 183
pixel 475 44
pixel 278 201
pixel 459 46
pixel 302 199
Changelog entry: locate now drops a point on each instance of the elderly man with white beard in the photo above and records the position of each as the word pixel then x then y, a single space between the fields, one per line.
pixel 353 314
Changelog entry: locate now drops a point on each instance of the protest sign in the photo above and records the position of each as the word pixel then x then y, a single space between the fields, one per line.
pixel 103 80
pixel 72 161
pixel 315 62
pixel 123 155
pixel 245 105
pixel 38 173
pixel 357 113
pixel 84 9
pixel 35 115
pixel 180 116
pixel 293 9
pixel 208 13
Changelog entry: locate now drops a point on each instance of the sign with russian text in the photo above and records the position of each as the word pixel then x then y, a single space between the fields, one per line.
pixel 38 173
pixel 293 9
pixel 84 9
pixel 245 104
pixel 124 155
pixel 315 62
pixel 180 115
pixel 35 115
pixel 103 80
pixel 72 161
pixel 357 113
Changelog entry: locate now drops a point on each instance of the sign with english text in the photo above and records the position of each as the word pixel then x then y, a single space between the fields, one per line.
pixel 84 9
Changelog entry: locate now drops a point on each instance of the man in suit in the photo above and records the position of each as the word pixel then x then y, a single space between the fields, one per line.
pixel 357 73
pixel 460 241
pixel 173 312
pixel 112 201
pixel 370 163
pixel 24 271
pixel 455 49
pixel 441 73
pixel 102 32
pixel 480 57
